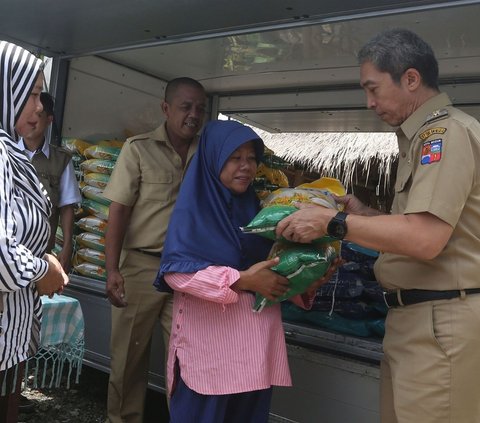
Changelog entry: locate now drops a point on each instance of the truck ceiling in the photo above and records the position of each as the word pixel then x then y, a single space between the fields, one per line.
pixel 283 65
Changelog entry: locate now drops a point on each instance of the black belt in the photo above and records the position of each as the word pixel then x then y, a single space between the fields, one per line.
pixel 150 253
pixel 404 297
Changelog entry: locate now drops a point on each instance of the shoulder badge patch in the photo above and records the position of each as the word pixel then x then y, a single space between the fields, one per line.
pixel 431 151
pixel 437 114
pixel 429 132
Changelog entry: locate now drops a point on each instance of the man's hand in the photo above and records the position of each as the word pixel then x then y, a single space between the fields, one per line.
pixel 115 289
pixel 308 223
pixel 65 259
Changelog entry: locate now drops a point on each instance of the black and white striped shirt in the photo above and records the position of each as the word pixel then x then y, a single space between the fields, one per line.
pixel 24 210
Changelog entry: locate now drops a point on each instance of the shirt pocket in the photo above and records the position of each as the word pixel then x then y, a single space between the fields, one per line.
pixel 52 184
pixel 403 180
pixel 156 185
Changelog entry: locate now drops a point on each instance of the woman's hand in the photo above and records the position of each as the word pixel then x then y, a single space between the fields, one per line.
pixel 54 280
pixel 326 277
pixel 259 278
pixel 354 206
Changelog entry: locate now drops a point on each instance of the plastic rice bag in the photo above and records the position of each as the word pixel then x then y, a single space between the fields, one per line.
pixel 91 270
pixel 102 152
pixel 92 224
pixel 95 194
pixel 280 204
pixel 98 166
pixel 95 208
pixel 302 264
pixel 94 179
pixel 91 256
pixel 91 240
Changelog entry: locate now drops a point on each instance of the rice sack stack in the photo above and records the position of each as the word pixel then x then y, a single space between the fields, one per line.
pixel 96 168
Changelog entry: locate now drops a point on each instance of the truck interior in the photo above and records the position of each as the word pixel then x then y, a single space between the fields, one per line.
pixel 284 66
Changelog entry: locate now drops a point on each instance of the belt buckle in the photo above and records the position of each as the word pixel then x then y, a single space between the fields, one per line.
pixel 385 299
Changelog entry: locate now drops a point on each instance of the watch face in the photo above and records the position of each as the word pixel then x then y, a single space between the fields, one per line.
pixel 337 227
pixel 339 230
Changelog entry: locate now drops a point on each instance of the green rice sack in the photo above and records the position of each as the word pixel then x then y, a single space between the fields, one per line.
pixel 95 179
pixel 302 264
pixel 279 204
pixel 95 208
pixel 266 220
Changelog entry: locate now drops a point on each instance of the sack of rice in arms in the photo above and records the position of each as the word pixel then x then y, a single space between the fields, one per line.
pixel 280 204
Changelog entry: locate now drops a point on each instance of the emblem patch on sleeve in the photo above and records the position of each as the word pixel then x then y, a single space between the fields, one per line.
pixel 431 151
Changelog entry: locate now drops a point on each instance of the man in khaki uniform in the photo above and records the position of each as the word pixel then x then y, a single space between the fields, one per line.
pixel 430 242
pixel 143 188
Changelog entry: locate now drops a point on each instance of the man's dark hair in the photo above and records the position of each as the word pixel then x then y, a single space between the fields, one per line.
pixel 174 84
pixel 396 50
pixel 48 103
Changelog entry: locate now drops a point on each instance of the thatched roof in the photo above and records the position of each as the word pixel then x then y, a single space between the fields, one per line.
pixel 340 155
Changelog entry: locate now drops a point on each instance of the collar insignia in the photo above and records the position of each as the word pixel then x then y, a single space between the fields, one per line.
pixel 437 114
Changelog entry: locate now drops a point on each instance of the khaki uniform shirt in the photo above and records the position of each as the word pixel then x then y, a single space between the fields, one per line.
pixel 439 148
pixel 147 177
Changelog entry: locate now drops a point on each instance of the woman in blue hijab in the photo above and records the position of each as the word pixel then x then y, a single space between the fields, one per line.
pixel 223 358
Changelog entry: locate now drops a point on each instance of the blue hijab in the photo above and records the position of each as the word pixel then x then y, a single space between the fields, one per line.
pixel 204 226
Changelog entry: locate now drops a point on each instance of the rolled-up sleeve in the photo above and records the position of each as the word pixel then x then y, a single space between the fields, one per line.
pixel 210 284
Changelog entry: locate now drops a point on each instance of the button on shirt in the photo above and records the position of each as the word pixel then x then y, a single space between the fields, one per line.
pixel 222 345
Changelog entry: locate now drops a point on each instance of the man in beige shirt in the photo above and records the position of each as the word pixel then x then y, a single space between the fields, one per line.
pixel 143 188
pixel 430 242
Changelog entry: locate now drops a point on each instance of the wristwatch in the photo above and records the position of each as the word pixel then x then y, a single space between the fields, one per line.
pixel 337 227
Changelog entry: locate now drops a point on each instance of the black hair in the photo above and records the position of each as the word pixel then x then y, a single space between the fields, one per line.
pixel 174 84
pixel 396 50
pixel 48 103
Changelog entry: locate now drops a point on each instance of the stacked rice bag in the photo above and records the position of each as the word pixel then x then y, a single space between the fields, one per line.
pixel 94 165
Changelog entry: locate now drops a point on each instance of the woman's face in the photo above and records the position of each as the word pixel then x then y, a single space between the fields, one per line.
pixel 29 115
pixel 240 169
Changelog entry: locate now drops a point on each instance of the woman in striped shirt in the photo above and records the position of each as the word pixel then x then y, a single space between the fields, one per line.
pixel 223 358
pixel 25 271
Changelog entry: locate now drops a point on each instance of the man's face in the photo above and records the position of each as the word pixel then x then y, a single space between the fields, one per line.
pixel 392 102
pixel 185 113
